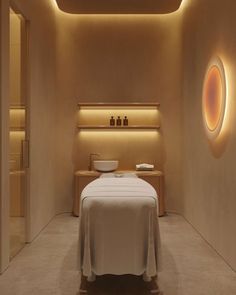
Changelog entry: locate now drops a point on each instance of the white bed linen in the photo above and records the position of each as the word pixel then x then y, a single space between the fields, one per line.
pixel 118 230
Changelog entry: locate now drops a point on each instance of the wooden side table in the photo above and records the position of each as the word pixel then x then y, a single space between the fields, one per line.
pixel 155 178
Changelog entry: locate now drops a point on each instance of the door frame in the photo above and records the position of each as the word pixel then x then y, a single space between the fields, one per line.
pixel 25 91
pixel 25 27
pixel 4 134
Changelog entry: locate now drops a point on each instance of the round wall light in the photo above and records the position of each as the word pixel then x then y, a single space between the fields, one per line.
pixel 214 98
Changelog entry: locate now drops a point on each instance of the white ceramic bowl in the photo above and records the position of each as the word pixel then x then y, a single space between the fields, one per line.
pixel 105 165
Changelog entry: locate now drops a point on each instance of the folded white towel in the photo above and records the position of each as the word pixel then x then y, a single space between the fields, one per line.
pixel 144 166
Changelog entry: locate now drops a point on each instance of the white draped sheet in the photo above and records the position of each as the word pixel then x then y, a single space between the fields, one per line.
pixel 118 230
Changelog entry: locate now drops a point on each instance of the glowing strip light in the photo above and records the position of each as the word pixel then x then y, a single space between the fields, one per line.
pixel 180 9
pixel 214 98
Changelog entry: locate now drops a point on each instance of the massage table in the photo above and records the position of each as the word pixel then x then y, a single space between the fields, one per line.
pixel 118 228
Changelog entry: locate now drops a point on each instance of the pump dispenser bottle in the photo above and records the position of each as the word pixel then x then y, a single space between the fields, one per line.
pixel 125 121
pixel 112 121
pixel 118 121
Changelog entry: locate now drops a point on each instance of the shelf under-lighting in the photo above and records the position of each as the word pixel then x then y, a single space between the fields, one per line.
pixel 17 107
pixel 147 127
pixel 17 128
pixel 118 104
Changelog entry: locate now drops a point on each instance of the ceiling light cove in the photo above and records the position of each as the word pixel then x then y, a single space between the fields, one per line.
pixel 119 6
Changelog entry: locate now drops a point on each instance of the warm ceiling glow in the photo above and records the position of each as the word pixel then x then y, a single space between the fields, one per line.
pixel 118 6
pixel 183 4
pixel 54 2
pixel 214 98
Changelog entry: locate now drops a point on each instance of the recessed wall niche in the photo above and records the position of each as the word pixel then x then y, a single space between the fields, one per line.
pixel 214 98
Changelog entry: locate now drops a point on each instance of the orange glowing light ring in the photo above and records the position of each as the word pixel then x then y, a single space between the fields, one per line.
pixel 214 98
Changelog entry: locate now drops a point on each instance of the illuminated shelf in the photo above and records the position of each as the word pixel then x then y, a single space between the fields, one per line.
pixel 119 104
pixel 145 127
pixel 130 105
pixel 17 128
pixel 17 107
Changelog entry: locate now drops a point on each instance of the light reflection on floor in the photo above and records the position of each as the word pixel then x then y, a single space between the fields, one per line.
pixel 17 235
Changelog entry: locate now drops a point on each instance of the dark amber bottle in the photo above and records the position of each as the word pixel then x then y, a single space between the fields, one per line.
pixel 112 121
pixel 118 121
pixel 125 121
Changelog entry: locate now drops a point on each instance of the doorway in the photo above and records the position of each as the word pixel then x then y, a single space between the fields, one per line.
pixel 18 134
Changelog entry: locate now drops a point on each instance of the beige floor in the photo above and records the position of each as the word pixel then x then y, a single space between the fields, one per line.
pixel 48 265
pixel 17 235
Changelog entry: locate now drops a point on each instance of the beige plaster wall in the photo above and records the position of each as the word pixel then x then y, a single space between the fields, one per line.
pixel 15 59
pixel 119 59
pixel 209 169
pixel 4 135
pixel 16 116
